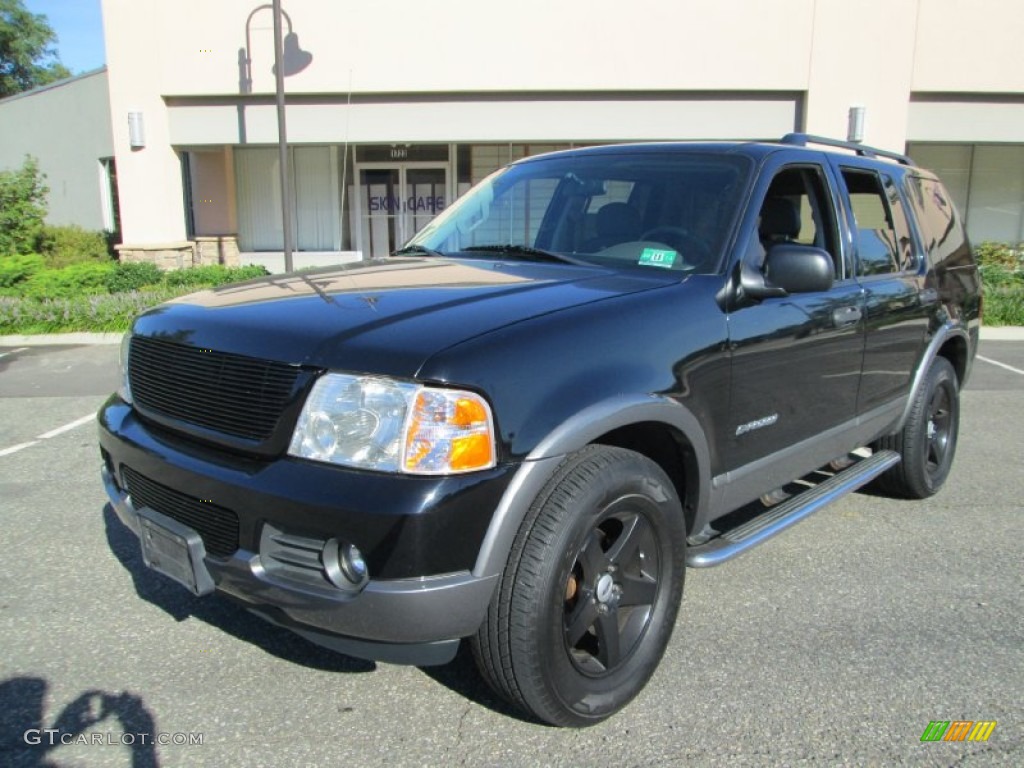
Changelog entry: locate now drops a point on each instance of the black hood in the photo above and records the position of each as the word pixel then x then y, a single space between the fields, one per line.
pixel 385 316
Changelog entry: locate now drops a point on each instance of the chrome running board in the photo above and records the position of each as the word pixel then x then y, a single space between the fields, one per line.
pixel 775 520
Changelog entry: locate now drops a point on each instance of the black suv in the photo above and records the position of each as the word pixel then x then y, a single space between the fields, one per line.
pixel 598 367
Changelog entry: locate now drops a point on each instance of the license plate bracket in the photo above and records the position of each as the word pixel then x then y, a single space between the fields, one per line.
pixel 175 550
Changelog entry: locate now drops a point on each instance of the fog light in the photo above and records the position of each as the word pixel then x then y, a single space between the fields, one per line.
pixel 352 563
pixel 344 565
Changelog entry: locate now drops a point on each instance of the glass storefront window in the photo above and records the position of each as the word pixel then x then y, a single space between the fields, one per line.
pixel 986 182
pixel 996 204
pixel 319 205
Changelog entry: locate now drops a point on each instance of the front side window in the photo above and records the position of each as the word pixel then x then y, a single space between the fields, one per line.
pixel 797 209
pixel 643 210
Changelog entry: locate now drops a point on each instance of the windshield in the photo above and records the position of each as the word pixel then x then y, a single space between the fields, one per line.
pixel 644 210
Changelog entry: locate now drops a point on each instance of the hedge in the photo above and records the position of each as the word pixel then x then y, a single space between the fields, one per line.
pixel 95 296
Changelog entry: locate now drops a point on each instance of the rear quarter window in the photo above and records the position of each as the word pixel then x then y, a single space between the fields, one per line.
pixel 939 223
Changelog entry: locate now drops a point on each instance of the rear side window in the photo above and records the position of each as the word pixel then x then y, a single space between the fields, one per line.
pixel 940 225
pixel 884 245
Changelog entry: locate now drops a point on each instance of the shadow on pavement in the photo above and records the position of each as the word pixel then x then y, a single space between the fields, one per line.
pixel 27 741
pixel 219 612
pixel 459 676
pixel 462 677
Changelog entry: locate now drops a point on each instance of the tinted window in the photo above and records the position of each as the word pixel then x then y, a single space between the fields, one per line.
pixel 798 209
pixel 938 221
pixel 906 252
pixel 881 233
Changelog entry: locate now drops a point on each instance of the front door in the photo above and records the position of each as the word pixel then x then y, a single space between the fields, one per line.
pixel 796 360
pixel 396 200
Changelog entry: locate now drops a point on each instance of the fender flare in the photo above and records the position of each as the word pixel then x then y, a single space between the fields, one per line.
pixel 576 432
pixel 942 335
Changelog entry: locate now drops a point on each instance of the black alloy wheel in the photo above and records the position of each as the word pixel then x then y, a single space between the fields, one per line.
pixel 589 596
pixel 611 588
pixel 927 441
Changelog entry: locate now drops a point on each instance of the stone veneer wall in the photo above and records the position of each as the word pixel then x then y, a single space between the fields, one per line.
pixel 221 249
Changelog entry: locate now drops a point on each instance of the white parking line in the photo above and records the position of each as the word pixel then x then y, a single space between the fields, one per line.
pixel 66 427
pixel 13 351
pixel 1001 365
pixel 47 435
pixel 16 448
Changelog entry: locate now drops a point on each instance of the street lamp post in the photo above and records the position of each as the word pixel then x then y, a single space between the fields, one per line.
pixel 289 59
pixel 282 139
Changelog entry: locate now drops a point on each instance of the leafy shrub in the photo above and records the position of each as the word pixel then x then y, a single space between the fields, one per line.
pixel 999 264
pixel 18 268
pixel 195 276
pixel 22 208
pixel 248 272
pixel 993 254
pixel 84 279
pixel 74 298
pixel 1002 277
pixel 133 276
pixel 62 246
pixel 1004 305
pixel 213 274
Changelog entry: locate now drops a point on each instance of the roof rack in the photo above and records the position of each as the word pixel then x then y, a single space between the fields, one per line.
pixel 803 139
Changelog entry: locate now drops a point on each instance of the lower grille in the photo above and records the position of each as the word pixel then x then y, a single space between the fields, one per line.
pixel 216 526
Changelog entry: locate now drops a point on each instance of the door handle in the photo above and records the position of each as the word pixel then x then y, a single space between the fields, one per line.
pixel 845 316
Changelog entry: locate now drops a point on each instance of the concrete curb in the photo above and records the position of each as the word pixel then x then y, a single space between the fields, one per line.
pixel 1002 333
pixel 53 339
pixel 996 333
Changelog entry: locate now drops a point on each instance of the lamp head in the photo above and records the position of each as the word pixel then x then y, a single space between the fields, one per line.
pixel 293 59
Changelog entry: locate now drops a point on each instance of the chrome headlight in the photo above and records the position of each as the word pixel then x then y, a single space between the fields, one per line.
pixel 124 390
pixel 371 422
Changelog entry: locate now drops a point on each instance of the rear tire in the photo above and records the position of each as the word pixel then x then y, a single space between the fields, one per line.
pixel 586 604
pixel 927 442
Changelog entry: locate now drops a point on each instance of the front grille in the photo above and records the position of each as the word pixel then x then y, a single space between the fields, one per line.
pixel 231 394
pixel 216 526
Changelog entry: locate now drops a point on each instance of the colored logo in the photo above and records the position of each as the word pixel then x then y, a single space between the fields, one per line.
pixel 958 730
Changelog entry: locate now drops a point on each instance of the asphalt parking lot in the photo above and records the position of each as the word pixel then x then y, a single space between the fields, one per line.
pixel 834 644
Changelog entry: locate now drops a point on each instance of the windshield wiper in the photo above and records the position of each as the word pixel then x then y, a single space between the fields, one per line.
pixel 421 250
pixel 525 251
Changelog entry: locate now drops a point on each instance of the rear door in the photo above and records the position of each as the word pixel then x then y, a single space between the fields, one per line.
pixel 890 267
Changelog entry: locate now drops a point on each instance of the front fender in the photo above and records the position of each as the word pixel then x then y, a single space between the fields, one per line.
pixel 576 432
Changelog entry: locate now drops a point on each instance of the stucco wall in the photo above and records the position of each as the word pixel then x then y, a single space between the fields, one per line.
pixel 463 70
pixel 66 126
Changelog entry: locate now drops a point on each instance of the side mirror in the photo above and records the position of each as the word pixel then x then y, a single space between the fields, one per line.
pixel 798 268
pixel 788 268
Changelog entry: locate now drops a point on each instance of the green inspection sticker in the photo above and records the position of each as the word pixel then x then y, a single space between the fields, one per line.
pixel 657 257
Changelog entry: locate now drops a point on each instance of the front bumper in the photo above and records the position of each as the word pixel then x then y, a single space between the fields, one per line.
pixel 416 619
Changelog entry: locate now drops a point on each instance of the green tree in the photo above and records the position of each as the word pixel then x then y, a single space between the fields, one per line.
pixel 22 207
pixel 27 54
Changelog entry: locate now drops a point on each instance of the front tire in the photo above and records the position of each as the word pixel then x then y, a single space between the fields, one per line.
pixel 927 442
pixel 586 604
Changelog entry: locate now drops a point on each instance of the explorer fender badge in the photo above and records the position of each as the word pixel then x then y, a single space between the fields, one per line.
pixel 750 426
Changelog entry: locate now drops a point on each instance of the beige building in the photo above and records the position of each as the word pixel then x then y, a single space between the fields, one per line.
pixel 396 108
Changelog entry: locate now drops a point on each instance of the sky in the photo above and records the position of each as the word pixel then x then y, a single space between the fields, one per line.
pixel 79 29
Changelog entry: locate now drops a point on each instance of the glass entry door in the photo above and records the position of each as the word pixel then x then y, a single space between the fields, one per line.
pixel 396 200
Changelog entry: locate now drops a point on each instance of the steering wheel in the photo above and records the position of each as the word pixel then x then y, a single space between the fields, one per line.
pixel 693 248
